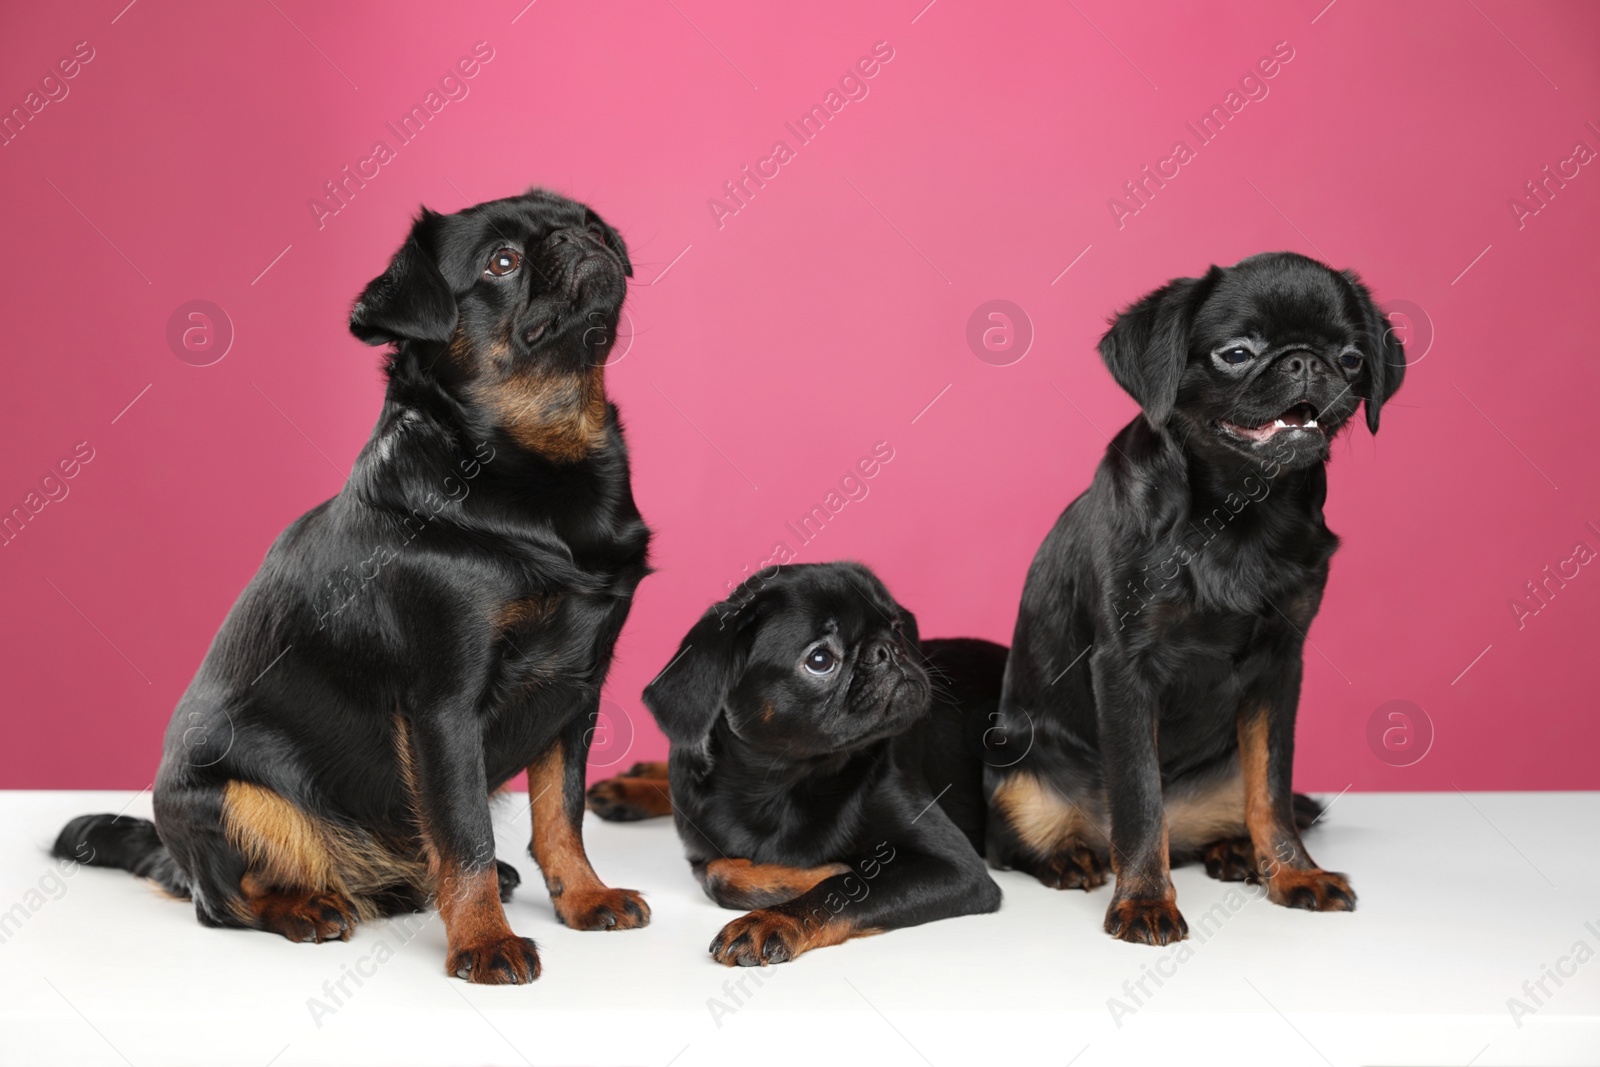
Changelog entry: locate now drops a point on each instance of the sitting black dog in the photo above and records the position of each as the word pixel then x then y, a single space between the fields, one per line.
pixel 1155 672
pixel 443 623
pixel 823 769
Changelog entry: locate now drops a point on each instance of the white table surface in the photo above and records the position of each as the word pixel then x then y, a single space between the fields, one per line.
pixel 1463 899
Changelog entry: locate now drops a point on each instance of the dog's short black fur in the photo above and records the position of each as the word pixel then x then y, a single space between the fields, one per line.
pixel 1156 665
pixel 444 622
pixel 824 768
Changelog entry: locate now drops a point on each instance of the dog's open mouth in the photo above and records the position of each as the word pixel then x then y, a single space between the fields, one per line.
pixel 1300 418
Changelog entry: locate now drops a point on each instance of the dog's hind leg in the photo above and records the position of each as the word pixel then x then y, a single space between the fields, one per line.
pixel 1036 829
pixel 254 861
pixel 293 882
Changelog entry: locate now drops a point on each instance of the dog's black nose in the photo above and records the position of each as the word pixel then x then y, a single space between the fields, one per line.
pixel 883 652
pixel 1302 363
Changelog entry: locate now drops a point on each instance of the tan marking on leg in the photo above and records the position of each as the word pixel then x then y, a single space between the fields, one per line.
pixel 1044 820
pixel 1253 757
pixel 469 904
pixel 482 947
pixel 282 845
pixel 738 883
pixel 286 848
pixel 581 899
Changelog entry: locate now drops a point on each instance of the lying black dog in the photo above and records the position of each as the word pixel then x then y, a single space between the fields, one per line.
pixel 823 769
pixel 1156 665
pixel 443 623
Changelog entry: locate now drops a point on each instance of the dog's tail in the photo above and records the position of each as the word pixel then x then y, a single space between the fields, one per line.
pixel 1306 811
pixel 125 842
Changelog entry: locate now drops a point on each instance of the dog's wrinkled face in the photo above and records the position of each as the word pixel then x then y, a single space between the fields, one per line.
pixel 528 276
pixel 525 293
pixel 1267 359
pixel 547 281
pixel 819 659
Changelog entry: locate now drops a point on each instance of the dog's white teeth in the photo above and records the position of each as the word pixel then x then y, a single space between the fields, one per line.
pixel 1311 424
pixel 1279 424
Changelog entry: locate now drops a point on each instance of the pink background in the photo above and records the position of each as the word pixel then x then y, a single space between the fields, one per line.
pixel 822 318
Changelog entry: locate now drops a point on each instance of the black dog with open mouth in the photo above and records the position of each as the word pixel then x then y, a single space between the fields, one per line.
pixel 1157 660
pixel 822 769
pixel 444 622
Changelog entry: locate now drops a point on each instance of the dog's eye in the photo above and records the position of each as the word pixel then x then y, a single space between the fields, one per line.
pixel 1236 356
pixel 1350 360
pixel 821 661
pixel 503 262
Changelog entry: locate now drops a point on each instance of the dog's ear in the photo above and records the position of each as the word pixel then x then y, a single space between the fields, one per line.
pixel 411 301
pixel 1386 356
pixel 688 695
pixel 1147 346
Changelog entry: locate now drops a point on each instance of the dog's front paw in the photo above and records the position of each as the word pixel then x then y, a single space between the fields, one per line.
pixel 602 909
pixel 499 961
pixel 1072 868
pixel 1146 921
pixel 1313 890
pixel 759 938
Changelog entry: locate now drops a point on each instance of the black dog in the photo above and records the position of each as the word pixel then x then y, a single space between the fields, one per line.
pixel 1156 666
pixel 443 623
pixel 809 778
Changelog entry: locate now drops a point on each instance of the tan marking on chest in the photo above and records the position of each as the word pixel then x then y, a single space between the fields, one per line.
pixel 560 416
